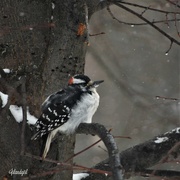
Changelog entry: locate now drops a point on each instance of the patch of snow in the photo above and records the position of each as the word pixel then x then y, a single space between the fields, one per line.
pixel 21 14
pixel 79 176
pixel 16 111
pixel 176 130
pixel 161 139
pixel 7 71
pixel 30 118
pixel 53 6
pixel 4 98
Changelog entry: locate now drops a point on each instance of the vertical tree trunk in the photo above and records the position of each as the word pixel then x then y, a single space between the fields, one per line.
pixel 38 40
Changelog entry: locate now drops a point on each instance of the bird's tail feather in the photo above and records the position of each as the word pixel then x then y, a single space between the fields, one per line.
pixel 44 139
pixel 48 143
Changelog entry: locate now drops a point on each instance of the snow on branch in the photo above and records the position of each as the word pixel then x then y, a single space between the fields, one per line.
pixel 135 160
pixel 16 111
pixel 4 98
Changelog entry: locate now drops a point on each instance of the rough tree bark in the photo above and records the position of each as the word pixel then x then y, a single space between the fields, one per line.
pixel 38 41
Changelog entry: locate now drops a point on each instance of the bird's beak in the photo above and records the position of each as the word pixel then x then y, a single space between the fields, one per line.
pixel 96 83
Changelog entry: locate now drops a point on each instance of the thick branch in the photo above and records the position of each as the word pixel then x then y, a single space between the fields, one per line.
pixel 107 138
pixel 140 157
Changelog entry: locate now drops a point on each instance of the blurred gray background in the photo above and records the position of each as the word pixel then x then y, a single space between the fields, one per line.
pixel 133 62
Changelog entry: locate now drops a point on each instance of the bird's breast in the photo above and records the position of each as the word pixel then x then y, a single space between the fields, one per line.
pixel 82 112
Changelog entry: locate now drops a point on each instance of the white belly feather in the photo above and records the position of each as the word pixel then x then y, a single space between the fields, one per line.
pixel 82 113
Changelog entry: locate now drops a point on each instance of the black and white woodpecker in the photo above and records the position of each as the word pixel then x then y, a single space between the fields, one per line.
pixel 64 110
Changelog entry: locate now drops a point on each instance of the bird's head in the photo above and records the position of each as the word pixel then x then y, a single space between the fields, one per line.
pixel 84 81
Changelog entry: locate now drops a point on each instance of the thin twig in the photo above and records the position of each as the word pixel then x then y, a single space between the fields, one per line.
pixel 24 109
pixel 170 1
pixel 175 23
pixel 123 137
pixel 139 24
pixel 145 9
pixel 152 9
pixel 97 34
pixel 167 98
pixel 85 149
pixel 147 21
pixel 102 149
pixel 167 22
pixel 44 159
pixel 170 46
pixel 61 166
pixel 87 23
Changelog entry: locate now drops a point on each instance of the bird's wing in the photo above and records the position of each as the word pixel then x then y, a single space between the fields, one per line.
pixel 52 117
pixel 56 111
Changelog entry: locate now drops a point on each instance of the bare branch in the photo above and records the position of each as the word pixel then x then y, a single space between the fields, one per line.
pixel 152 9
pixel 175 23
pixel 97 34
pixel 61 166
pixel 136 159
pixel 147 21
pixel 170 46
pixel 167 98
pixel 24 109
pixel 110 144
pixel 140 24
pixel 84 150
pixel 175 4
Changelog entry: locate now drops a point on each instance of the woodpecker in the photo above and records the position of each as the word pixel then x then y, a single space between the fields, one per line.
pixel 64 110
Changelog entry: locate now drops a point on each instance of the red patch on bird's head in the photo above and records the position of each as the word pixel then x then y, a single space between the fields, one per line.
pixel 71 81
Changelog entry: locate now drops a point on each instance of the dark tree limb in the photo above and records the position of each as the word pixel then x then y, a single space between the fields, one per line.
pixel 145 155
pixel 107 138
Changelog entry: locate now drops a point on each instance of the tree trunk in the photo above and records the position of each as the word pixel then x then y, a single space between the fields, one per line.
pixel 39 42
